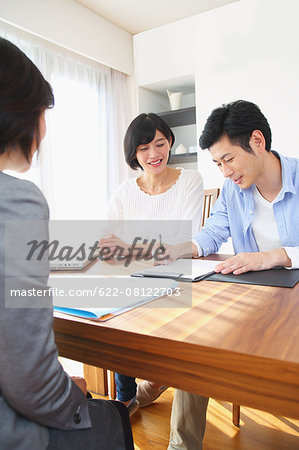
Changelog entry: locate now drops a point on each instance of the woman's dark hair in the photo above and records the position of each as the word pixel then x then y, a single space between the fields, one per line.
pixel 24 95
pixel 237 121
pixel 142 130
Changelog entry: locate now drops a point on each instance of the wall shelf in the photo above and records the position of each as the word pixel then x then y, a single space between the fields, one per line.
pixel 182 121
pixel 179 117
pixel 183 158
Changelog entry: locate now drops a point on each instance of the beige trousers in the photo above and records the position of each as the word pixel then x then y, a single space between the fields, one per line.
pixel 188 421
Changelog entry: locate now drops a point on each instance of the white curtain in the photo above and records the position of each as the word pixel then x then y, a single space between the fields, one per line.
pixel 120 113
pixel 81 159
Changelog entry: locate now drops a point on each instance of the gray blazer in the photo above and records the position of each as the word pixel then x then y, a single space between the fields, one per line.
pixel 35 392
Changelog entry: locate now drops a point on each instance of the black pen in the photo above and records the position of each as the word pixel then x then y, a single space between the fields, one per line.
pixel 161 244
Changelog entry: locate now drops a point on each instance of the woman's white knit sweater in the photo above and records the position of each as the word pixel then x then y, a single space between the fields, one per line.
pixel 183 201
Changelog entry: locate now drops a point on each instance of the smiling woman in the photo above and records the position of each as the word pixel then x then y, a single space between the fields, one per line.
pixel 154 155
pixel 159 193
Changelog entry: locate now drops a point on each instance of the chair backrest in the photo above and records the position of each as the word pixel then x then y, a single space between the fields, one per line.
pixel 210 197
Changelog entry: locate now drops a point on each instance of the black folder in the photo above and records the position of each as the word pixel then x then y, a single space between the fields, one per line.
pixel 278 277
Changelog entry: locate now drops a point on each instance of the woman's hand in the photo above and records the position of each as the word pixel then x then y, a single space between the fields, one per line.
pixel 172 252
pixel 81 383
pixel 111 242
pixel 165 254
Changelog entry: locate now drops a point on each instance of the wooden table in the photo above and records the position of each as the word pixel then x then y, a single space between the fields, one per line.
pixel 238 343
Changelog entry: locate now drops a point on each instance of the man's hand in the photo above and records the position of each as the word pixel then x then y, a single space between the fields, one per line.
pixel 244 262
pixel 81 383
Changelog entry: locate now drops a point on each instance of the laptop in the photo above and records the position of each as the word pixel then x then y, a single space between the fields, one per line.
pixel 70 265
pixel 74 264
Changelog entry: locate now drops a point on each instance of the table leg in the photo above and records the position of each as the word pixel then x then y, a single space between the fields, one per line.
pixel 112 386
pixel 96 379
pixel 236 415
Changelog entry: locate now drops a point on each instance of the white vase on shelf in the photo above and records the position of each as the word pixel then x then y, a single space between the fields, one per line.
pixel 175 99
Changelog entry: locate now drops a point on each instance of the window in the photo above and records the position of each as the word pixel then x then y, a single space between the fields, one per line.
pixel 84 130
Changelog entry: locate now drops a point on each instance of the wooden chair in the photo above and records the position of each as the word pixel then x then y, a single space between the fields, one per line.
pixel 210 197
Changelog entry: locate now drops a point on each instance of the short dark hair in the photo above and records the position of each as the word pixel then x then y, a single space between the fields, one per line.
pixel 24 95
pixel 237 121
pixel 142 130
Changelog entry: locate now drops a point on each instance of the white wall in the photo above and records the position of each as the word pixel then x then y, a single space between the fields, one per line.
pixel 248 49
pixel 165 52
pixel 68 23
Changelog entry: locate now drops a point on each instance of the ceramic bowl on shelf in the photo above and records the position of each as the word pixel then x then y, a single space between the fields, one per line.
pixel 180 150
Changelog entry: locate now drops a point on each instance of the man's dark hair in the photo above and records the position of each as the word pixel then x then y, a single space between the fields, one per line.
pixel 142 130
pixel 237 121
pixel 24 95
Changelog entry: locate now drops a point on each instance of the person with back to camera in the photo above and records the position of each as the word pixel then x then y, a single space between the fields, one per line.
pixel 41 406
pixel 257 208
pixel 160 192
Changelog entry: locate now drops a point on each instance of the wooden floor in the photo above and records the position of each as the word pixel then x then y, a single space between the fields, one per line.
pixel 258 430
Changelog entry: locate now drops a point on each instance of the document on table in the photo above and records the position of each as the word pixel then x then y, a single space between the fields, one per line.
pixel 181 270
pixel 114 296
